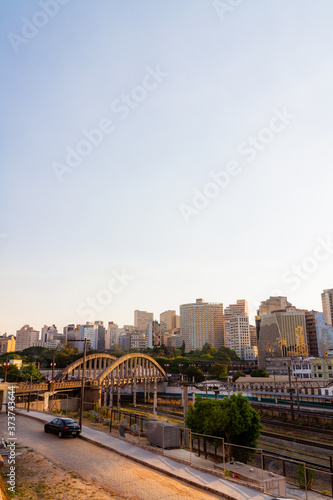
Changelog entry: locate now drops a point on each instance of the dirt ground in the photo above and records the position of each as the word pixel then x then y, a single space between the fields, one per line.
pixel 40 479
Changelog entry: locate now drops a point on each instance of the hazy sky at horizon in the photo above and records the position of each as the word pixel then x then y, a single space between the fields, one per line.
pixel 183 94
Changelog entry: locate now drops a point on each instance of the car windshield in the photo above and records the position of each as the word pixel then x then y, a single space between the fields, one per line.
pixel 69 421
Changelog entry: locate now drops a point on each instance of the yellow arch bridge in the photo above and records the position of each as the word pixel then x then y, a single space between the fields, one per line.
pixel 104 373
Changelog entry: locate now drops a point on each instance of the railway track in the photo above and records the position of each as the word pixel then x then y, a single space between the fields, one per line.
pixel 292 426
pixel 304 442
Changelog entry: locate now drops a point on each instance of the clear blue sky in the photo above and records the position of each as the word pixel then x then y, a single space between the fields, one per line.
pixel 180 89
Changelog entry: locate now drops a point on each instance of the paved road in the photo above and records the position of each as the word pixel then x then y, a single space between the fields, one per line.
pixel 107 469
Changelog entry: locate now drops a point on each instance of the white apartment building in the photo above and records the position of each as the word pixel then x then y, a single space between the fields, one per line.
pixel 238 309
pixel 87 331
pixel 239 334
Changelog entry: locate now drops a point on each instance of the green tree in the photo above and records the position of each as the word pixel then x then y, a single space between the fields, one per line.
pixel 162 362
pixel 259 373
pixel 67 355
pixel 194 371
pixel 207 349
pixel 9 355
pixel 232 419
pixel 180 360
pixel 237 375
pixel 30 372
pixel 13 373
pixel 219 371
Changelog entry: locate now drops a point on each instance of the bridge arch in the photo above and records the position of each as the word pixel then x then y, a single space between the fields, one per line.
pixel 131 369
pixel 100 360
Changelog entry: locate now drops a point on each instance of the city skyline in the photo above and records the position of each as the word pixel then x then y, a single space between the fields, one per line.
pixel 155 153
pixel 156 316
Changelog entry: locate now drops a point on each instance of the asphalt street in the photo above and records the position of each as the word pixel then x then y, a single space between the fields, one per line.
pixel 105 468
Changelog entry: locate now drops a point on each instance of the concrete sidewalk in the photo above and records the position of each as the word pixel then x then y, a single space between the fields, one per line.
pixel 164 464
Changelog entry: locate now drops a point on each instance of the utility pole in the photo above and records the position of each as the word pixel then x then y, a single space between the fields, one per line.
pixel 83 381
pixel 291 393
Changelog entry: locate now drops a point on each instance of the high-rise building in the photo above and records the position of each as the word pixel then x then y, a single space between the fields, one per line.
pixel 253 335
pixel 327 300
pixel 112 335
pixel 71 332
pixel 138 341
pixel 141 320
pixel 153 335
pixel 169 320
pixel 233 310
pixel 87 331
pixel 239 333
pixel 100 336
pixel 311 333
pixel 7 343
pixel 48 333
pixel 202 322
pixel 324 335
pixel 282 334
pixel 26 337
pixel 273 304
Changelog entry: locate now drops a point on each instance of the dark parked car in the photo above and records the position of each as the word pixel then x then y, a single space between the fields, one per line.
pixel 63 427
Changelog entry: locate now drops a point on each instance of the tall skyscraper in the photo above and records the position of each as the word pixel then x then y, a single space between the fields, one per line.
pixel 87 331
pixel 311 333
pixel 141 320
pixel 253 335
pixel 324 335
pixel 202 322
pixel 327 300
pixel 100 336
pixel 239 334
pixel 48 333
pixel 26 337
pixel 112 335
pixel 233 310
pixel 282 334
pixel 169 320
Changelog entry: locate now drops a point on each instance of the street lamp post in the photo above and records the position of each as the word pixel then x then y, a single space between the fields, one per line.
pixel 83 378
pixel 6 368
pixel 53 365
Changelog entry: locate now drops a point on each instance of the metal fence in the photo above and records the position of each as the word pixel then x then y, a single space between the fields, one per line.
pixel 269 471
